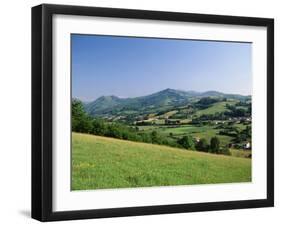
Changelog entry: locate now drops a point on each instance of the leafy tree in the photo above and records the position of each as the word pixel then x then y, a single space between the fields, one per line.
pixel 215 145
pixel 202 145
pixel 113 130
pixel 187 142
pixel 248 131
pixel 98 127
pixel 145 137
pixel 244 135
pixel 154 137
pixel 206 101
pixel 81 122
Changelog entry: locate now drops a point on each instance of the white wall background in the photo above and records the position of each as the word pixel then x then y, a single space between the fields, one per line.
pixel 15 113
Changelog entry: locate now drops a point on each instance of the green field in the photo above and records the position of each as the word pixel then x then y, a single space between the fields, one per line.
pixel 206 132
pixel 216 108
pixel 196 131
pixel 100 162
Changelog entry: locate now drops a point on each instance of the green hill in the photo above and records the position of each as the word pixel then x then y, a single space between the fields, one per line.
pixel 100 162
pixel 103 103
pixel 113 104
pixel 159 101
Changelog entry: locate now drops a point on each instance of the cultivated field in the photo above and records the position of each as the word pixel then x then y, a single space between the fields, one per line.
pixel 179 131
pixel 102 162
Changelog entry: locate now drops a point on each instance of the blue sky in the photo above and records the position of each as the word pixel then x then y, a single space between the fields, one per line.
pixel 131 67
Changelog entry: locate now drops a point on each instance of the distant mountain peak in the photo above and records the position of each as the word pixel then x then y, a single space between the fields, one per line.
pixel 169 90
pixel 213 91
pixel 165 98
pixel 111 97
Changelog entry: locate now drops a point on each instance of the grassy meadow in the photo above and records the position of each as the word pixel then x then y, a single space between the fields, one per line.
pixel 148 112
pixel 102 162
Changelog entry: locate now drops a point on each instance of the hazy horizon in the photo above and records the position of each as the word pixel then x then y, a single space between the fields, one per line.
pixel 129 67
pixel 123 97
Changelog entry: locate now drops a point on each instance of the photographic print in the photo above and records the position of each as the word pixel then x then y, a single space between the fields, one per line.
pixel 159 112
pixel 139 112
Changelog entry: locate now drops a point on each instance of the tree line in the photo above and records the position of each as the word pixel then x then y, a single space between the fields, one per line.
pixel 202 145
pixel 83 123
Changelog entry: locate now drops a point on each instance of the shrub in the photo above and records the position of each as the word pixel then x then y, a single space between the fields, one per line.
pixel 225 151
pixel 187 142
pixel 214 145
pixel 98 127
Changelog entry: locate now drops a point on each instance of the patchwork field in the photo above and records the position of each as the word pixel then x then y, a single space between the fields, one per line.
pixel 101 162
pixel 206 132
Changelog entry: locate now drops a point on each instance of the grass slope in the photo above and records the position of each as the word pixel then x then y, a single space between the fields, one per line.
pixel 100 162
pixel 216 108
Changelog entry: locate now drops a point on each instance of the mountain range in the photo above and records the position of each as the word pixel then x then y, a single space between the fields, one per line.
pixel 165 99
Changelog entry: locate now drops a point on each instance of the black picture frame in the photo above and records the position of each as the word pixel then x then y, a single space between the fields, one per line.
pixel 42 111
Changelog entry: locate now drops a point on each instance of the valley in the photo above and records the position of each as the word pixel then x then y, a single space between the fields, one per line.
pixel 170 117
